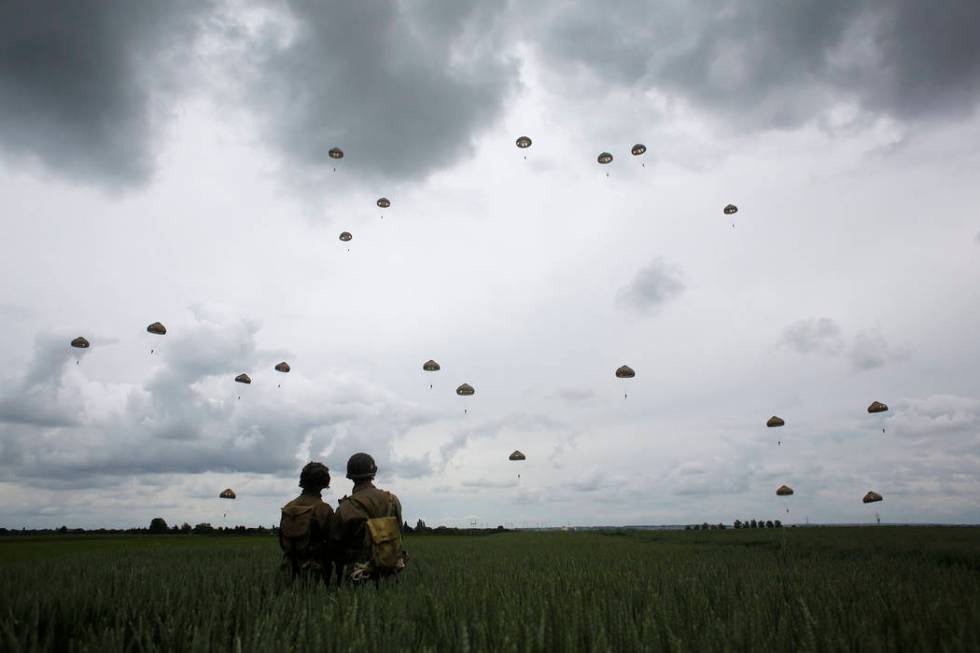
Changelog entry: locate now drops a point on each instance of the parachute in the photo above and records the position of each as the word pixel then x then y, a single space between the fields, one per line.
pixel 79 343
pixel 430 366
pixel 465 390
pixel 878 407
pixel 775 421
pixel 517 455
pixel 243 378
pixel 784 491
pixel 384 202
pixel 638 150
pixel 336 153
pixel 730 209
pixel 157 329
pixel 346 236
pixel 625 372
pixel 284 368
pixel 523 142
pixel 604 158
pixel 872 497
pixel 227 494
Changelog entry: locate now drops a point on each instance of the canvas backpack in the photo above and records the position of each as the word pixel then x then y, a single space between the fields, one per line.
pixel 385 537
pixel 296 530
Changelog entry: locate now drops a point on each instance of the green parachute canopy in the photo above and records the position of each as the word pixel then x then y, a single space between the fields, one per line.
pixel 638 149
pixel 346 236
pixel 625 372
pixel 604 158
pixel 283 367
pixel 243 378
pixel 877 407
pixel 775 421
pixel 227 494
pixel 157 328
pixel 465 390
pixel 523 142
pixel 871 497
pixel 336 153
pixel 431 366
pixel 517 455
pixel 784 491
pixel 384 202
pixel 730 209
pixel 80 343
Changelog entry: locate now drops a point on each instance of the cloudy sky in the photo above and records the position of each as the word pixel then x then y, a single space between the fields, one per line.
pixel 168 161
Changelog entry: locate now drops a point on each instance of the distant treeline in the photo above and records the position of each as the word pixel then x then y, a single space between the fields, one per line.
pixel 769 523
pixel 158 526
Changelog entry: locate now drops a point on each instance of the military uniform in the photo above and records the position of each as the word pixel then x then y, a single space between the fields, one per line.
pixel 348 532
pixel 307 554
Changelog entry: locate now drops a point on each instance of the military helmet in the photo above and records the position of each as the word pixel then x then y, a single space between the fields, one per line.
pixel 315 476
pixel 361 466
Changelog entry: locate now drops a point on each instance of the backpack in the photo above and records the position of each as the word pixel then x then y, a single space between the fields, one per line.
pixel 385 537
pixel 296 530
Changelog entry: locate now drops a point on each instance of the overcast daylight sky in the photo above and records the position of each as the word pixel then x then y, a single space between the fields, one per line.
pixel 168 161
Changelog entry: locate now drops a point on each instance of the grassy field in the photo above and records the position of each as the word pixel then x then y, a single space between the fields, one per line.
pixel 818 589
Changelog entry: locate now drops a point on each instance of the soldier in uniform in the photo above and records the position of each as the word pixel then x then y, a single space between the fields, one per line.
pixel 355 546
pixel 304 528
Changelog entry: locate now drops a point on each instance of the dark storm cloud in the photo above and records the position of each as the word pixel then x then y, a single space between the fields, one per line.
pixel 79 81
pixel 813 335
pixel 401 87
pixel 652 286
pixel 780 64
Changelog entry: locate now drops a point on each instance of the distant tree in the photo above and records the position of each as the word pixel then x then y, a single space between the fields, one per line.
pixel 721 526
pixel 704 526
pixel 406 528
pixel 420 526
pixel 158 525
pixel 738 523
pixel 687 528
pixel 778 524
pixel 769 524
pixel 185 528
pixel 500 527
pixel 754 524
pixel 203 528
pixel 63 529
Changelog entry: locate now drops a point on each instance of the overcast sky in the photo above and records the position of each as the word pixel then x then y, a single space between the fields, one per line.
pixel 168 161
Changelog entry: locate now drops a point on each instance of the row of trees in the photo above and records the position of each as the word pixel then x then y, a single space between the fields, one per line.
pixel 738 524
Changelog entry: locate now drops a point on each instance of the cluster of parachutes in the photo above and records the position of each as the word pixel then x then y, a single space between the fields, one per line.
pixel 785 491
pixel 467 390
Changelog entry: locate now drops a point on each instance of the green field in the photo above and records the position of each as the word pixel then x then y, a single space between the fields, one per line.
pixel 816 589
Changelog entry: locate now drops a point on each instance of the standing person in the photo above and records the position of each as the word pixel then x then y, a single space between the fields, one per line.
pixel 304 528
pixel 367 528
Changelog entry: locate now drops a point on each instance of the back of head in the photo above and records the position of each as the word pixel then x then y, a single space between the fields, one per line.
pixel 315 476
pixel 361 467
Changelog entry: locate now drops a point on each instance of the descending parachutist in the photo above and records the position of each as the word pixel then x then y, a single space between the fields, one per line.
pixel 779 443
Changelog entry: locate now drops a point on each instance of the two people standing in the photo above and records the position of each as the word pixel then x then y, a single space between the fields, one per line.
pixel 361 540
